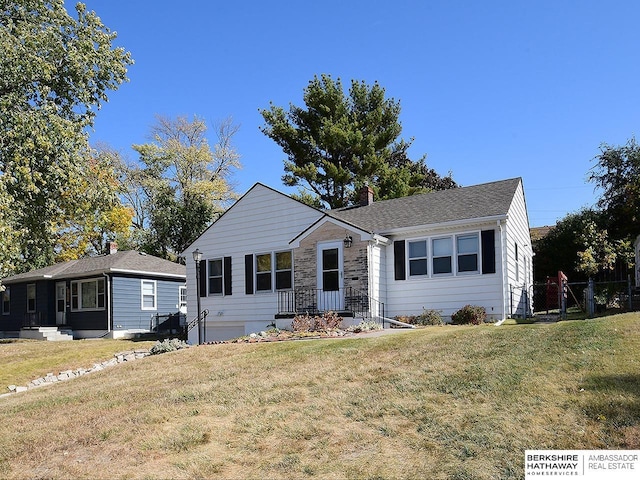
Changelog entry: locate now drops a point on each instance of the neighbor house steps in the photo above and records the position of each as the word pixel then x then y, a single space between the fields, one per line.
pixel 53 334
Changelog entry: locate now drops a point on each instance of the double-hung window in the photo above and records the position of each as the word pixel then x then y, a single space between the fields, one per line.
pixel 6 301
pixel 149 291
pixel 263 272
pixel 284 270
pixel 215 276
pixel 31 297
pixel 87 294
pixel 276 266
pixel 442 249
pixel 418 258
pixel 182 298
pixel 467 249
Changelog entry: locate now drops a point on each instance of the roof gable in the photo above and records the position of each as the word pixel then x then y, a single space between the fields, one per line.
pixel 445 206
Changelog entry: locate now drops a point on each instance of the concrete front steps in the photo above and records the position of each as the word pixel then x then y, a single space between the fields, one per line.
pixel 53 334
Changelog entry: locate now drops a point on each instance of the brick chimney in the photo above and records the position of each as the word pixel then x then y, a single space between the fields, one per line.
pixel 366 196
pixel 112 247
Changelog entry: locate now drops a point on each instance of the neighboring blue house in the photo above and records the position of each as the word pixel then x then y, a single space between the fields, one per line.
pixel 116 295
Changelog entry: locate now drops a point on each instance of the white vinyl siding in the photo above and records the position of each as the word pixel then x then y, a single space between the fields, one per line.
pixel 249 227
pixel 455 279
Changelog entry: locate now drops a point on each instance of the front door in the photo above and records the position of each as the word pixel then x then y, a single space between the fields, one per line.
pixel 330 277
pixel 61 303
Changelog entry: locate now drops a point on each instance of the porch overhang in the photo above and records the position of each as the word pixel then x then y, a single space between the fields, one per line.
pixel 364 235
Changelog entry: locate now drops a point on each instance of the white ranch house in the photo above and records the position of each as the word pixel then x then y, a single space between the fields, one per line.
pixel 269 257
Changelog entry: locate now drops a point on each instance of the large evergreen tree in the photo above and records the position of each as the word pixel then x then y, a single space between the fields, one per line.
pixel 338 142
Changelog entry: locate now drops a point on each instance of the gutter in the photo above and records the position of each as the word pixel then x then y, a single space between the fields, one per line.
pixel 503 251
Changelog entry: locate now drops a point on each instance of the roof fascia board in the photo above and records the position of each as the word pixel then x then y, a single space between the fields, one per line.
pixel 143 272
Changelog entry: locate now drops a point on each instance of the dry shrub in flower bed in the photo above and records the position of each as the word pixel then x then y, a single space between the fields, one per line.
pixel 326 322
pixel 427 317
pixel 469 315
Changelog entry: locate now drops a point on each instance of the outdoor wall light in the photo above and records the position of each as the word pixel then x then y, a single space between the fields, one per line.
pixel 347 241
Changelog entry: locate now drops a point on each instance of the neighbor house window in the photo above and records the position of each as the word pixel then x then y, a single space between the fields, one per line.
pixel 149 294
pixel 442 249
pixel 182 298
pixel 418 258
pixel 215 276
pixel 88 294
pixel 31 297
pixel 467 249
pixel 6 301
pixel 284 270
pixel 263 272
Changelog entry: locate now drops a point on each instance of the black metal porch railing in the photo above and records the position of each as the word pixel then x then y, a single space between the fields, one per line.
pixel 194 323
pixel 168 323
pixel 314 301
pixel 36 319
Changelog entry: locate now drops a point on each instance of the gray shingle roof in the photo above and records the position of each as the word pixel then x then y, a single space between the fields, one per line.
pixel 129 261
pixel 464 203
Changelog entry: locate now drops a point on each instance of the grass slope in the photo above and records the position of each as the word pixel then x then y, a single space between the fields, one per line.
pixel 441 402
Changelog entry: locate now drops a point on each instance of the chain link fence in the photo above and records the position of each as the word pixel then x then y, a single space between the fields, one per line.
pixel 558 299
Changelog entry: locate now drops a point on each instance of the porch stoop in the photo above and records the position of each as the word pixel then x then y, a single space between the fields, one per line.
pixel 53 334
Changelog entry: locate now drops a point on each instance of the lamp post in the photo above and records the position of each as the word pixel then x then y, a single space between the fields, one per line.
pixel 197 257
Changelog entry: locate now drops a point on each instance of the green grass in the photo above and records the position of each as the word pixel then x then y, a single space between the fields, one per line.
pixel 439 402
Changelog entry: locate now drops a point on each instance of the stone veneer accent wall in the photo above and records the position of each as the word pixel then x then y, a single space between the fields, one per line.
pixel 356 273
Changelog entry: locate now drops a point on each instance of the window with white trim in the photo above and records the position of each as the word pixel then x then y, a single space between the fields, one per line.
pixel 31 297
pixel 418 259
pixel 88 294
pixel 6 300
pixel 263 272
pixel 149 293
pixel 182 298
pixel 215 276
pixel 284 270
pixel 442 253
pixel 468 247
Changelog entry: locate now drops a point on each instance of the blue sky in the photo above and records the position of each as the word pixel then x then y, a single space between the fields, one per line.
pixel 489 90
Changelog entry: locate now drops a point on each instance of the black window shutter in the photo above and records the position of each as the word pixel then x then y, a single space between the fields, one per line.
pixel 227 275
pixel 248 274
pixel 203 278
pixel 488 251
pixel 399 260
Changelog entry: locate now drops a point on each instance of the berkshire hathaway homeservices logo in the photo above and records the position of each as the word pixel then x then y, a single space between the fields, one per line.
pixel 583 464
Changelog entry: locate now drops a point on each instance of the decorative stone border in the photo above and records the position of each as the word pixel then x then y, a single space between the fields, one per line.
pixel 51 378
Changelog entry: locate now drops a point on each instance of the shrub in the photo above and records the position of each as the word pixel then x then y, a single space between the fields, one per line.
pixel 469 315
pixel 427 317
pixel 365 326
pixel 168 345
pixel 307 323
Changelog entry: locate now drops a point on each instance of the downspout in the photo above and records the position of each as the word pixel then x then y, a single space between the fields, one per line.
pixel 107 295
pixel 503 266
